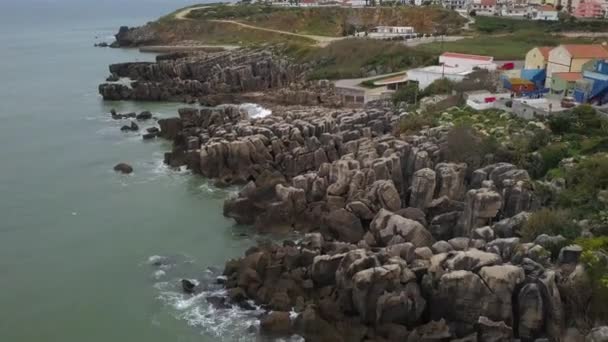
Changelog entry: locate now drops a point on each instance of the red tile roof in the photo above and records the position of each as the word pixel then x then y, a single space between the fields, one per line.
pixel 488 2
pixel 569 76
pixel 544 50
pixel 586 50
pixel 466 56
pixel 546 8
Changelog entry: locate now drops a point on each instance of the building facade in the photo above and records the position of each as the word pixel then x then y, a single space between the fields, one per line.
pixel 572 57
pixel 589 9
pixel 537 58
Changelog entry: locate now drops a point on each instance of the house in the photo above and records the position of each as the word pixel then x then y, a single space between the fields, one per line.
pixel 572 57
pixel 593 87
pixel 563 83
pixel 589 9
pixel 543 12
pixel 354 3
pixel 382 32
pixel 453 59
pixel 538 57
pixel 518 85
pixel 456 4
pixel 484 7
pixel 514 11
pixel 427 75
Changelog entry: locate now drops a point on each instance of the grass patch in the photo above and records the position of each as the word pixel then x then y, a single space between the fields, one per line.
pixel 506 25
pixel 334 21
pixel 353 58
pixel 503 47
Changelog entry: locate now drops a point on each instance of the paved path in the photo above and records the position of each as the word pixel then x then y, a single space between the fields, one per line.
pixel 320 40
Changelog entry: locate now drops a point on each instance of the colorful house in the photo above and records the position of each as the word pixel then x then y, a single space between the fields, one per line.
pixel 593 87
pixel 563 83
pixel 572 57
pixel 589 9
pixel 519 86
pixel 538 57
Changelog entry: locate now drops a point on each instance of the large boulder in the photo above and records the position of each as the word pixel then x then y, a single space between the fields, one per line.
pixel 599 334
pixel 324 268
pixel 481 206
pixel 386 225
pixel 423 188
pixel 123 168
pixel 450 180
pixel 530 311
pixel 369 286
pixel 345 225
pixel 491 331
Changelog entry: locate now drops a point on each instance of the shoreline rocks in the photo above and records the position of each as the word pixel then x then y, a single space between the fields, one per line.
pixel 400 243
pixel 123 168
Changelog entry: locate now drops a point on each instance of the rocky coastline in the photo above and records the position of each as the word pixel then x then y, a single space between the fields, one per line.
pixel 398 242
pixel 213 78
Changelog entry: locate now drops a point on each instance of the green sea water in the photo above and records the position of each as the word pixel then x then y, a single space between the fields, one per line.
pixel 75 237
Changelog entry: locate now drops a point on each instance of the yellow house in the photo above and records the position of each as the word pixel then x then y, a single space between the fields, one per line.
pixel 538 57
pixel 572 57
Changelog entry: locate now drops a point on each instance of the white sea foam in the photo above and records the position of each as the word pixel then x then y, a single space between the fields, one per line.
pixel 159 274
pixel 254 110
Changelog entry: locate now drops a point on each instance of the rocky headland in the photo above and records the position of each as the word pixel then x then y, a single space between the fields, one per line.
pixel 245 75
pixel 398 243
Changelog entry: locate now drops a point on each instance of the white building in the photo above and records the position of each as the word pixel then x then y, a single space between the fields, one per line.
pixel 382 32
pixel 453 59
pixel 427 75
pixel 543 12
pixel 456 4
pixel 484 7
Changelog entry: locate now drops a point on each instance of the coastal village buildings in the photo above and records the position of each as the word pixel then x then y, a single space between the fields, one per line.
pixel 572 57
pixel 589 9
pixel 484 7
pixel 543 12
pixel 537 58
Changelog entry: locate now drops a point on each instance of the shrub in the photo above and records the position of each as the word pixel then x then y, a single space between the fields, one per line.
pixel 440 86
pixel 408 94
pixel 561 123
pixel 553 154
pixel 550 222
pixel 595 259
pixel 415 122
pixel 584 183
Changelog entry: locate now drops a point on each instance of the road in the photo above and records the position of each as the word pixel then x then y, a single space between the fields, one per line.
pixel 321 41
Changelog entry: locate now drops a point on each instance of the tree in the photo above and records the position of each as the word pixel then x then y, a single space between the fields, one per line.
pixel 407 94
pixel 473 13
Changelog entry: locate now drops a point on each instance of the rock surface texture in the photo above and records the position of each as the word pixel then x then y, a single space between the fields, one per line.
pixel 246 75
pixel 399 244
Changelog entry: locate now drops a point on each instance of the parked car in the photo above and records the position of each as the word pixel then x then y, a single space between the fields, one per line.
pixel 568 102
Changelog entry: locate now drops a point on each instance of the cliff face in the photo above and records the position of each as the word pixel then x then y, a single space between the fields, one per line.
pixel 198 76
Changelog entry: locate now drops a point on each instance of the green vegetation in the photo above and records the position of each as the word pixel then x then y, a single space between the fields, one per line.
pixel 551 222
pixel 416 121
pixel 334 21
pixel 506 25
pixel 503 47
pixel 595 259
pixel 336 60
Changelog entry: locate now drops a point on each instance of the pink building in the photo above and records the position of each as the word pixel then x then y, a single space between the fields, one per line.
pixel 589 9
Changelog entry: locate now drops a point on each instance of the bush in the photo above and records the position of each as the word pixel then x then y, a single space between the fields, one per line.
pixel 550 222
pixel 595 259
pixel 415 122
pixel 408 94
pixel 561 123
pixel 553 154
pixel 440 86
pixel 583 185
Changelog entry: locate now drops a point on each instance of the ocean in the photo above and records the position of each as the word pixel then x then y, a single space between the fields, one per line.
pixel 79 242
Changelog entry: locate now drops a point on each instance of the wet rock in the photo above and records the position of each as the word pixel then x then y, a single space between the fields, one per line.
pixel 145 115
pixel 276 323
pixel 123 168
pixel 133 127
pixel 188 286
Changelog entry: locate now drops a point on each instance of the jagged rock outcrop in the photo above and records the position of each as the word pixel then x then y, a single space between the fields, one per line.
pixel 404 243
pixel 216 78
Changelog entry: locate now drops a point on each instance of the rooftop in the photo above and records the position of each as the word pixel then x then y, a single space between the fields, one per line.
pixel 391 80
pixel 488 2
pixel 544 50
pixel 569 76
pixel 466 56
pixel 586 50
pixel 448 70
